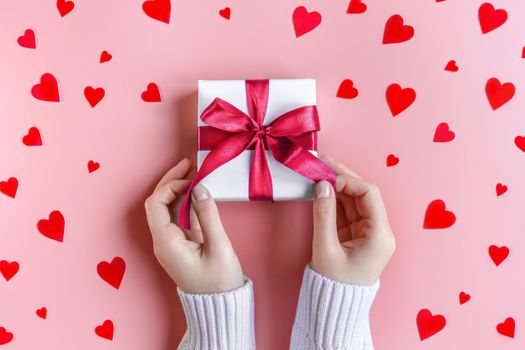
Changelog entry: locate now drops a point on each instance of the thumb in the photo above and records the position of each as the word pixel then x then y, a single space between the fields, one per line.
pixel 208 216
pixel 325 216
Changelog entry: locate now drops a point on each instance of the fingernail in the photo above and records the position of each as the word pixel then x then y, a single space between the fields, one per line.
pixel 200 192
pixel 322 189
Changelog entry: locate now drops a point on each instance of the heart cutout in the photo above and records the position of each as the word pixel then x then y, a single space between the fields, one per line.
pixel 42 313
pixel 498 94
pixel 9 269
pixel 53 227
pixel 501 189
pixel 507 327
pixel 520 142
pixel 64 7
pixel 399 99
pixel 105 330
pixel 9 187
pixel 105 57
pixel 451 66
pixel 112 272
pixel 47 89
pixel 94 95
pixel 93 166
pixel 158 9
pixel 396 31
pixel 152 93
pixel 490 18
pixel 5 336
pixel 28 39
pixel 428 324
pixel 437 217
pixel 356 6
pixel 498 254
pixel 225 12
pixel 463 298
pixel 347 90
pixel 443 133
pixel 304 21
pixel 32 138
pixel 391 160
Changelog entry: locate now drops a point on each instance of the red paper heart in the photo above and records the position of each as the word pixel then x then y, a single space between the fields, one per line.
pixel 356 6
pixel 8 269
pixel 399 99
pixel 396 31
pixel 451 66
pixel 225 12
pixel 27 40
pixel 489 18
pixel 391 160
pixel 304 21
pixel 520 142
pixel 105 57
pixel 523 52
pixel 507 327
pixel 47 90
pixel 92 166
pixel 498 94
pixel 501 189
pixel 463 298
pixel 112 272
pixel 152 93
pixel 347 89
pixel 53 227
pixel 498 254
pixel 65 7
pixel 429 324
pixel 9 187
pixel 105 330
pixel 32 138
pixel 436 216
pixel 158 9
pixel 5 336
pixel 42 313
pixel 443 133
pixel 94 95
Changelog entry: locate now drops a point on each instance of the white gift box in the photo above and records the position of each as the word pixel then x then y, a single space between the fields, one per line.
pixel 230 182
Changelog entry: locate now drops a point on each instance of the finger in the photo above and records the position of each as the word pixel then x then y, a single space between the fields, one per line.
pixel 338 167
pixel 325 216
pixel 208 216
pixel 195 234
pixel 179 171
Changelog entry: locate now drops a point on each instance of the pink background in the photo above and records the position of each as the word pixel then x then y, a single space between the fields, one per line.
pixel 136 142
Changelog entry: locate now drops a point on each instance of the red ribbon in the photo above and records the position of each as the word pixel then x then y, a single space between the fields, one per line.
pixel 231 131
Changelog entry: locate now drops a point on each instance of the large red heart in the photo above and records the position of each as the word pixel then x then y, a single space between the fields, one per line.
pixel 443 133
pixel 27 40
pixel 356 6
pixel 347 89
pixel 53 227
pixel 5 336
pixel 497 93
pixel 501 189
pixel 65 7
pixel 105 56
pixel 399 99
pixel 94 95
pixel 396 31
pixel 32 138
pixel 429 324
pixel 498 254
pixel 436 216
pixel 47 90
pixel 9 187
pixel 112 272
pixel 391 160
pixel 152 93
pixel 520 142
pixel 463 298
pixel 489 18
pixel 304 21
pixel 42 312
pixel 158 9
pixel 8 269
pixel 225 12
pixel 105 330
pixel 507 327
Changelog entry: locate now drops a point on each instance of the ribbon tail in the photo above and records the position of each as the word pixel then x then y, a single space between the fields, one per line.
pixel 260 188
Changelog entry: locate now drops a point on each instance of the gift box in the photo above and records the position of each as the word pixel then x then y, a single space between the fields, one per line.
pixel 257 140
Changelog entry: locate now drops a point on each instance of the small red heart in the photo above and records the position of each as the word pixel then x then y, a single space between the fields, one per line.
pixel 105 57
pixel 42 312
pixel 489 18
pixel 501 189
pixel 92 166
pixel 396 31
pixel 47 90
pixel 112 272
pixel 399 99
pixel 498 254
pixel 65 7
pixel 451 66
pixel 32 138
pixel 94 95
pixel 440 0
pixel 5 336
pixel 225 12
pixel 463 298
pixel 105 330
pixel 429 324
pixel 443 133
pixel 523 52
pixel 498 94
pixel 356 6
pixel 9 187
pixel 28 39
pixel 304 21
pixel 436 216
pixel 507 327
pixel 520 142
pixel 8 269
pixel 347 89
pixel 53 227
pixel 152 93
pixel 391 160
pixel 158 9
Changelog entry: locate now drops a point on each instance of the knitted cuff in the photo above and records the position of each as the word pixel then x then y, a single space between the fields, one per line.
pixel 219 320
pixel 332 315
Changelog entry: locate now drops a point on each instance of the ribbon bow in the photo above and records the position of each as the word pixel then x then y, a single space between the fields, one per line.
pixel 230 132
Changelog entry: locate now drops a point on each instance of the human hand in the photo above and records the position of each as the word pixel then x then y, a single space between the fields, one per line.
pixel 355 211
pixel 200 260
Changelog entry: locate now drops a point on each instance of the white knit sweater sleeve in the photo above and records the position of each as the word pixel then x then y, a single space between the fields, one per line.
pixel 332 315
pixel 219 321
